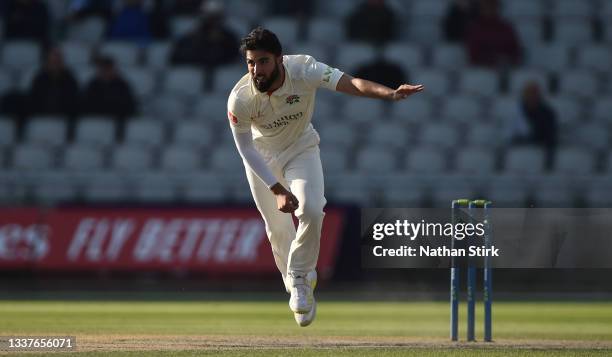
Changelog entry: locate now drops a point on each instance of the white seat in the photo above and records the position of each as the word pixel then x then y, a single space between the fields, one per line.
pixel 193 134
pixel 227 77
pixel 141 80
pixel 603 110
pixel 124 53
pixel 595 58
pixel 483 135
pixel 20 55
pixel 284 27
pixel 508 194
pixel 8 134
pixel 519 78
pixel 581 84
pixel 183 81
pixel 95 131
pixel 436 82
pixel 481 82
pixel 239 25
pixel 352 55
pixel 106 188
pixel 549 57
pixel 593 136
pixel 155 188
pixel 158 54
pixel 182 25
pixel 144 132
pixel 180 158
pixel 227 160
pixel 336 134
pixel 375 159
pixel 574 161
pixel 203 188
pixel 129 158
pixel 475 161
pixel 319 51
pixel 325 31
pixel 505 107
pixel 439 135
pixel 211 107
pixel 462 108
pixel 76 54
pixel 529 31
pixel 424 31
pixel 443 195
pixel 334 161
pixel 424 161
pixel 553 196
pixel 89 30
pixel 336 9
pixel 358 109
pixel 449 57
pixel 574 32
pixel 567 108
pixel 598 196
pixel 415 109
pixel 46 131
pixel 53 190
pixel 388 135
pixel 567 9
pixel 523 9
pixel 81 158
pixel 524 160
pixel 32 158
pixel 406 56
pixel 166 107
pixel 429 9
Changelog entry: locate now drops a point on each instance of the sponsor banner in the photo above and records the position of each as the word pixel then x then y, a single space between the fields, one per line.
pixel 210 240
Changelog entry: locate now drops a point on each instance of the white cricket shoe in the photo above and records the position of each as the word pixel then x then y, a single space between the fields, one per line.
pixel 306 319
pixel 301 287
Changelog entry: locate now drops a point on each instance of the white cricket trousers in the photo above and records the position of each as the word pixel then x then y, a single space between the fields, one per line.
pixel 299 169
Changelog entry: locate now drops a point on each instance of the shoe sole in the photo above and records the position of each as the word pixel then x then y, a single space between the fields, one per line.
pixel 307 321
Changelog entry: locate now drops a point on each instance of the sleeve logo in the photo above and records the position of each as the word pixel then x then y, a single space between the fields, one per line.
pixel 232 117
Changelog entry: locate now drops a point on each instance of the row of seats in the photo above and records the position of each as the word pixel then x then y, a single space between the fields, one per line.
pixel 415 158
pixel 368 190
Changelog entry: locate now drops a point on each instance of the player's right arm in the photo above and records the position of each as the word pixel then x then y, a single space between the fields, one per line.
pixel 241 130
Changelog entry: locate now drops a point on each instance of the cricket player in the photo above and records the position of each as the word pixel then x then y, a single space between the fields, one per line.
pixel 270 111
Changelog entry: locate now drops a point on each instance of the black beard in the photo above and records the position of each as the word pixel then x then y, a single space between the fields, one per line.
pixel 264 85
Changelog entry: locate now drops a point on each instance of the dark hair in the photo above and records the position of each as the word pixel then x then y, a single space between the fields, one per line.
pixel 261 39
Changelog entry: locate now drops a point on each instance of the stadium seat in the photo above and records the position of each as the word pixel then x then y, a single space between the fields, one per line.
pixel 239 25
pixel 568 9
pixel 362 110
pixel 20 55
pixel 227 77
pixel 8 133
pixel 549 57
pixel 351 55
pixel 129 158
pixel 553 196
pixel 166 107
pixel 599 196
pixel 194 134
pixel 480 82
pixel 375 159
pixel 423 30
pixel 505 107
pixel 89 30
pixel 124 53
pixel 141 80
pixel 226 160
pixel 106 187
pixel 95 131
pixel 158 54
pixel 248 10
pixel 155 188
pixel 334 159
pixel 182 25
pixel 46 131
pixel 325 31
pixel 26 78
pixel 519 78
pixel 424 161
pixel 317 50
pixel 76 54
pixel 144 132
pixel 507 193
pixel 517 9
pixel 212 108
pixel 185 81
pixel 336 134
pixel 429 9
pixel 475 161
pixel 484 135
pixel 592 136
pixel 32 158
pixel 524 160
pixel 335 9
pixel 83 158
pixel 443 195
pixel 574 32
pixel 449 57
pixel 406 56
pixel 388 134
pixel 285 28
pixel 567 108
pixel 439 135
pixel 602 110
pixel 529 31
pixel 180 159
pixel 53 190
pixel 574 161
pixel 203 188
pixel 83 74
pixel 324 110
pixel 595 58
pixel 416 109
pixel 581 84
pixel 6 81
pixel 437 83
pixel 462 108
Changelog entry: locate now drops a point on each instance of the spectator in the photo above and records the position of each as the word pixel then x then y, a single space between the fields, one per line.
pixel 372 21
pixel 210 44
pixel 383 71
pixel 301 11
pixel 459 16
pixel 536 122
pixel 54 89
pixel 82 9
pixel 109 94
pixel 158 19
pixel 131 24
pixel 26 20
pixel 491 40
pixel 186 7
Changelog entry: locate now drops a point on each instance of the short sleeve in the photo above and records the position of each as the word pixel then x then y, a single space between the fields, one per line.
pixel 238 117
pixel 318 74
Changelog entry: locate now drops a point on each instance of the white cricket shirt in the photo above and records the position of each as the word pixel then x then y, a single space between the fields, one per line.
pixel 280 118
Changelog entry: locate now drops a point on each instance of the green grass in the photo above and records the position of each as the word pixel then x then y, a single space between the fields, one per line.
pixel 585 323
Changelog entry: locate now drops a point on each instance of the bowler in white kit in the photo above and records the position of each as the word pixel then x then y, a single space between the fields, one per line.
pixel 270 111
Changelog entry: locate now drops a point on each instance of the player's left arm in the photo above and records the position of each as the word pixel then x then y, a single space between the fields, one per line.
pixel 364 88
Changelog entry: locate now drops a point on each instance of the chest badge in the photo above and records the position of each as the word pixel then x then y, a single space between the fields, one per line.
pixel 294 98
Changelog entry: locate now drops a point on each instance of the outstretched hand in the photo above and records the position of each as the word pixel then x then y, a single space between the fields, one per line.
pixel 403 91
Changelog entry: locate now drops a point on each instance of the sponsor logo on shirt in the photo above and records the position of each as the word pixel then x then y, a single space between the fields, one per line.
pixel 284 120
pixel 327 74
pixel 294 98
pixel 232 117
